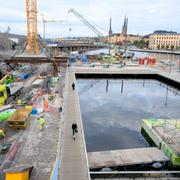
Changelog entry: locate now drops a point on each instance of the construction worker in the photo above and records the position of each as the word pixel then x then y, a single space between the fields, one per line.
pixel 45 103
pixel 42 122
pixel 2 134
pixel 19 102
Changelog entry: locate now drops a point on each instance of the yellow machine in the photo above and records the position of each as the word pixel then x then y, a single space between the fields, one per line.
pixel 19 173
pixel 9 88
pixel 3 95
pixel 3 88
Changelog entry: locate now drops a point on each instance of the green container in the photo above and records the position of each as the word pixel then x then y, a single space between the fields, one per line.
pixel 5 115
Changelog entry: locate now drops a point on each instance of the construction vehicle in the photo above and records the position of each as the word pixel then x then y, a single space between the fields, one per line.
pixel 88 24
pixel 9 89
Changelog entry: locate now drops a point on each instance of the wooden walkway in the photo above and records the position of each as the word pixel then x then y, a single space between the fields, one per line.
pixel 125 157
pixel 73 157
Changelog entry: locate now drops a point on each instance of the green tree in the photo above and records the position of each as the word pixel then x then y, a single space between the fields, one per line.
pixel 172 47
pixel 140 44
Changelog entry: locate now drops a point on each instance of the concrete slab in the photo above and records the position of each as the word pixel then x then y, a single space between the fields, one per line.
pixel 125 157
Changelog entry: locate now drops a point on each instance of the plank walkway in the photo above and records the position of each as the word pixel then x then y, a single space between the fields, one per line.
pixel 73 157
pixel 125 157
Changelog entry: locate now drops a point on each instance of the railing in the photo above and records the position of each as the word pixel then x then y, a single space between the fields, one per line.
pixel 82 132
pixel 56 169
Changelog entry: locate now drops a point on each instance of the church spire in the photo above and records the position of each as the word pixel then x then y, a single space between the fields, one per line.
pixel 125 26
pixel 110 28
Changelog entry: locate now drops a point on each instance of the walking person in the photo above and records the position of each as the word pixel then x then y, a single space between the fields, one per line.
pixel 73 86
pixel 74 130
pixel 42 122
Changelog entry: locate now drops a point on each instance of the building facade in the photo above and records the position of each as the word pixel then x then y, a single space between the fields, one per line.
pixel 164 40
pixel 120 38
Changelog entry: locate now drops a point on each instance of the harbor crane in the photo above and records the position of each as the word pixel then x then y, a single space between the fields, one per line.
pixel 89 25
pixel 32 30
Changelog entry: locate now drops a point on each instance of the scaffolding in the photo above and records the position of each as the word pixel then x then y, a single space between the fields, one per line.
pixel 32 31
pixel 167 123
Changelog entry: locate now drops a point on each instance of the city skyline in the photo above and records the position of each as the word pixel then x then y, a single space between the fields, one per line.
pixel 144 17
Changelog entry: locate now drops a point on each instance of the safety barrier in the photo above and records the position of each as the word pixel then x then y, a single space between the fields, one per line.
pixel 55 171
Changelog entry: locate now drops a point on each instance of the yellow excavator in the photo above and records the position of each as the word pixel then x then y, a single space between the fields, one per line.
pixel 9 88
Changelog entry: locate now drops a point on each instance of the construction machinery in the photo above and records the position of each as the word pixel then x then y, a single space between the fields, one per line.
pixel 86 22
pixel 9 88
pixel 45 21
pixel 32 31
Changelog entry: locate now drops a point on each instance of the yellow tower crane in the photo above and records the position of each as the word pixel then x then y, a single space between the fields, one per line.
pixel 32 31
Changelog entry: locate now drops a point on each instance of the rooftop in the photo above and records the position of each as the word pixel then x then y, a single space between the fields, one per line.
pixel 164 32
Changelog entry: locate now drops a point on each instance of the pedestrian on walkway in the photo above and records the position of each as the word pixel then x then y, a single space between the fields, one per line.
pixel 73 86
pixel 74 130
pixel 42 122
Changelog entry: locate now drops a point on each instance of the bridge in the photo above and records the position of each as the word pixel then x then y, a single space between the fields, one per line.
pixel 75 46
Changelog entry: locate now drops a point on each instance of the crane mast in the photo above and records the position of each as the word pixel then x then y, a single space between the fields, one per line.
pixel 32 31
pixel 93 28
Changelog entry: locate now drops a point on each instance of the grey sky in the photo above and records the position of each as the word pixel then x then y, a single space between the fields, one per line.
pixel 144 16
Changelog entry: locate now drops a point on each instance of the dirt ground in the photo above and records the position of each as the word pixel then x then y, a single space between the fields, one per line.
pixel 39 147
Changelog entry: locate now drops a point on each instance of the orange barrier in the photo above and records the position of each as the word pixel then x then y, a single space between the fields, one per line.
pixel 147 60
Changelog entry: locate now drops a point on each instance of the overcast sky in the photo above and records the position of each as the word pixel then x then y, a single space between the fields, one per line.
pixel 145 16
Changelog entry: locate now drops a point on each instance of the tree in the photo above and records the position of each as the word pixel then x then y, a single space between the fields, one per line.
pixel 140 43
pixel 162 47
pixel 172 47
pixel 158 46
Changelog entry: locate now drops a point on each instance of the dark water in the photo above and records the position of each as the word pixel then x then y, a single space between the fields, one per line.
pixel 112 110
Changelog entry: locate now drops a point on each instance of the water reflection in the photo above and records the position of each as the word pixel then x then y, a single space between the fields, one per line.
pixel 112 115
pixel 107 84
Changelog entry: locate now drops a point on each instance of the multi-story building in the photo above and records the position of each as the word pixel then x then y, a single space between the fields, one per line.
pixel 164 40
pixel 120 38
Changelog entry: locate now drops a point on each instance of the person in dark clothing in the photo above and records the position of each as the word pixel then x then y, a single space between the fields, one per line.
pixel 73 86
pixel 74 130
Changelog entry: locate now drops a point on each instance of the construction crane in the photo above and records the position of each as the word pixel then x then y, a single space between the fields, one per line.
pixel 45 21
pixel 90 26
pixel 32 31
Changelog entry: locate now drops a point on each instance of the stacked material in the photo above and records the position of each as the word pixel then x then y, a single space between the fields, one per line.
pixel 165 133
pixel 24 72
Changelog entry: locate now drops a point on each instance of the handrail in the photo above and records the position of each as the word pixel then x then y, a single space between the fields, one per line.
pixel 82 131
pixel 56 169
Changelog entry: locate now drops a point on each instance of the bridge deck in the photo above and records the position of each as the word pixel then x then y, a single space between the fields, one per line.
pixel 73 159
